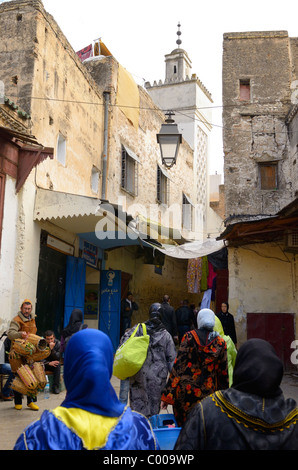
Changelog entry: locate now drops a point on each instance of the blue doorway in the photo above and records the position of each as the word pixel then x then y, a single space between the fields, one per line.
pixel 109 311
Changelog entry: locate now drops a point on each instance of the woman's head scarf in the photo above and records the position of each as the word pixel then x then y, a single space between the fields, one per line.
pixel 206 319
pixel 155 318
pixel 88 368
pixel 75 321
pixel 258 369
pixel 218 326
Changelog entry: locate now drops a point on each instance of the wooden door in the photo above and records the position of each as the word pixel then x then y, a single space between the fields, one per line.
pixel 222 288
pixel 277 329
pixel 50 291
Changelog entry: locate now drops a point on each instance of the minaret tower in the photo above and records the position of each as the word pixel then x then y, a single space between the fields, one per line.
pixel 178 64
pixel 183 93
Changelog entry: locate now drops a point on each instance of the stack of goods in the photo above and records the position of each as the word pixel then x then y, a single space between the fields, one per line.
pixel 24 358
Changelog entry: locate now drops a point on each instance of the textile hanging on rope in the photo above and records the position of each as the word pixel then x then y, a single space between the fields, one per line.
pixel 194 274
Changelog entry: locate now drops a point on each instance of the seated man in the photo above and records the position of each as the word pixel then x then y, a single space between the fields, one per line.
pixel 91 417
pixel 5 368
pixel 52 362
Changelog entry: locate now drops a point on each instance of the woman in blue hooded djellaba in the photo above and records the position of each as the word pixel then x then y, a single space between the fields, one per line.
pixel 91 417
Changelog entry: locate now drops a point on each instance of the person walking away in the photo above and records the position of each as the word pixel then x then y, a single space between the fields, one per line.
pixel 75 324
pixel 231 348
pixel 52 362
pixel 227 321
pixel 91 416
pixel 251 415
pixel 200 368
pixel 128 306
pixel 168 318
pixel 184 319
pixel 20 326
pixel 146 386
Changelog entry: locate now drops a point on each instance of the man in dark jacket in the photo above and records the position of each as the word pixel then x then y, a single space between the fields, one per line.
pixel 128 305
pixel 52 362
pixel 168 318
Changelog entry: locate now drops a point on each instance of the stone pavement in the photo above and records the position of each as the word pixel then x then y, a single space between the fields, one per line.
pixel 13 422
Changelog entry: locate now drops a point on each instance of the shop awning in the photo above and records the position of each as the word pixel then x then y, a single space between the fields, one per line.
pixel 101 223
pixel 105 225
pixel 20 153
pixel 261 230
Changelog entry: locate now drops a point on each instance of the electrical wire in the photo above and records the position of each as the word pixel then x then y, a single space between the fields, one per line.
pixel 176 111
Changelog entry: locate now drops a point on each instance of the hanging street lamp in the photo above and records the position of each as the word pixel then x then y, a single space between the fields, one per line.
pixel 169 140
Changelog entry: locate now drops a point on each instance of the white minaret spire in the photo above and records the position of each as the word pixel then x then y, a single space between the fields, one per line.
pixel 179 42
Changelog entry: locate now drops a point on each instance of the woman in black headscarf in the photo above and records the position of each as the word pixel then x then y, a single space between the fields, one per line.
pixel 75 324
pixel 227 321
pixel 251 415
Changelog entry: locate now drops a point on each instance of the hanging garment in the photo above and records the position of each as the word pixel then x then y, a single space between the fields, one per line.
pixel 211 275
pixel 206 299
pixel 205 272
pixel 194 274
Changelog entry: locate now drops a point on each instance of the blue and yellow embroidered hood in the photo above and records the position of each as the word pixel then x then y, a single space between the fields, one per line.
pixel 88 367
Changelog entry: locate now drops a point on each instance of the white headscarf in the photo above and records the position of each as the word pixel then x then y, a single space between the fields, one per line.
pixel 206 319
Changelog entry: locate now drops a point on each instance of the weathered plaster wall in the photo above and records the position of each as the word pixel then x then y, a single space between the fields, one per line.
pixel 8 289
pixel 262 279
pixel 293 150
pixel 72 106
pixel 50 83
pixel 55 89
pixel 142 141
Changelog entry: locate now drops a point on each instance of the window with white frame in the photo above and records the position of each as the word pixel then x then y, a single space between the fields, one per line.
pixel 163 186
pixel 129 171
pixel 187 213
pixel 61 149
pixel 95 174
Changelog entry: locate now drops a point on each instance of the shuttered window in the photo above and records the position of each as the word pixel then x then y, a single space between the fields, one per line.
pixel 187 213
pixel 244 91
pixel 268 176
pixel 162 186
pixel 129 171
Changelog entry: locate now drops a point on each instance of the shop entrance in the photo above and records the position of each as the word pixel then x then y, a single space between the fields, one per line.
pixel 50 291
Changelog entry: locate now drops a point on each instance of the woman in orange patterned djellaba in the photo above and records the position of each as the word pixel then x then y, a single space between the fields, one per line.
pixel 200 368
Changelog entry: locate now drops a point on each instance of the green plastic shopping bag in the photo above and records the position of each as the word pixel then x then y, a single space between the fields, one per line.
pixel 131 355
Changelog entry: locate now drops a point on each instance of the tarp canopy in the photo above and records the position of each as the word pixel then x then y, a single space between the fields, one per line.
pixel 191 250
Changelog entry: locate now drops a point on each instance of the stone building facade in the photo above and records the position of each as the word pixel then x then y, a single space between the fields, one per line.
pixel 258 71
pixel 102 128
pixel 260 169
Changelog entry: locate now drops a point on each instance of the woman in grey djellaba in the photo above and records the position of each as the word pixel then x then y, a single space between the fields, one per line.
pixel 146 386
